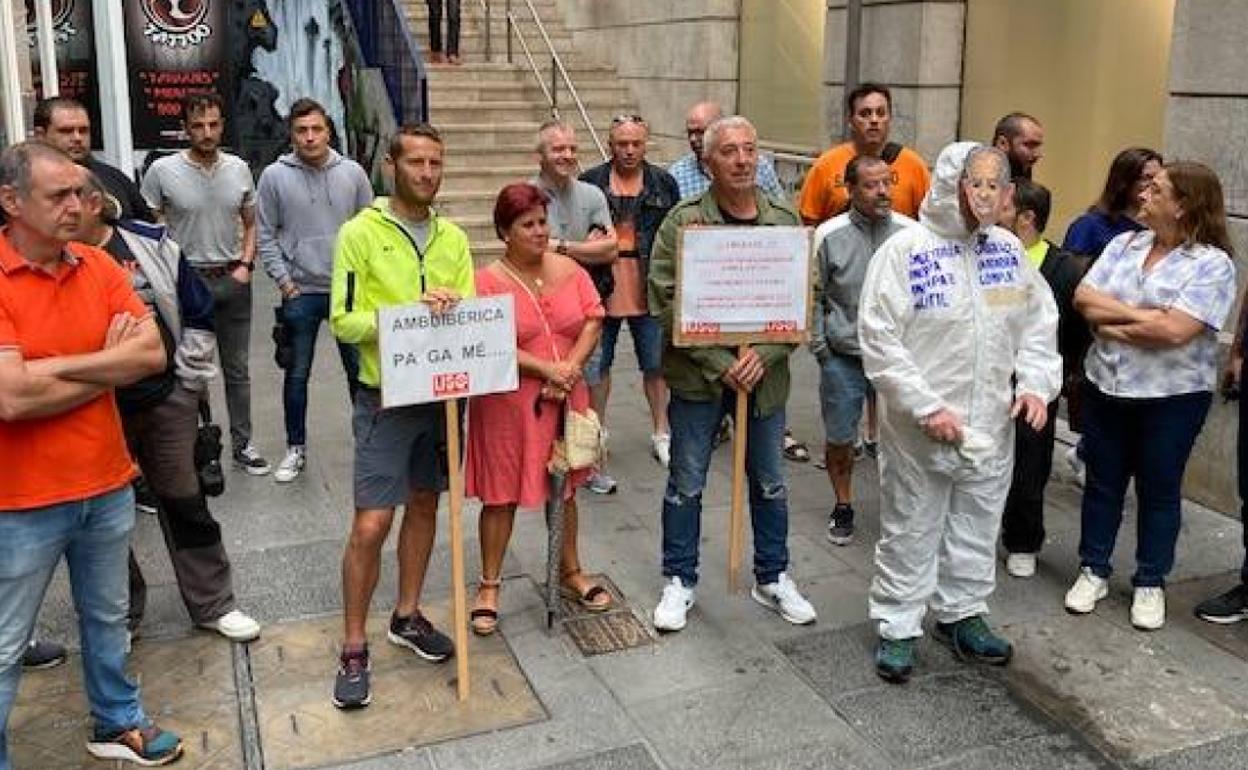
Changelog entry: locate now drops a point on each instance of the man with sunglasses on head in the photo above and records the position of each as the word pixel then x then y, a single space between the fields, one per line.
pixel 639 195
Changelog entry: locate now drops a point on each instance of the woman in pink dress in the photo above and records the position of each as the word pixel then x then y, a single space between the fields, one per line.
pixel 510 435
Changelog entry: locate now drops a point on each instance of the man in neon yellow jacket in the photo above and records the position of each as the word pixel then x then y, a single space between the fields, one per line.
pixel 395 252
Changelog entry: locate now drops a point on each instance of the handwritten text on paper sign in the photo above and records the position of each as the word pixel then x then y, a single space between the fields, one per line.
pixel 470 351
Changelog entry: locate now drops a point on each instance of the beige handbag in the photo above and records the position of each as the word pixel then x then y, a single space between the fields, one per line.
pixel 580 443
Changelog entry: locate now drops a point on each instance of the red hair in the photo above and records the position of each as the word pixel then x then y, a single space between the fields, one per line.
pixel 514 201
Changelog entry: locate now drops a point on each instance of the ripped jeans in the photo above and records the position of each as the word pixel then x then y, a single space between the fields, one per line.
pixel 694 425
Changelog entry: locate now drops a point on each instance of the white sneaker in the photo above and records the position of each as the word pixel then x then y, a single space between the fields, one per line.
pixel 601 483
pixel 1148 608
pixel 291 465
pixel 1077 468
pixel 783 597
pixel 1086 592
pixel 661 448
pixel 1021 565
pixel 673 606
pixel 235 626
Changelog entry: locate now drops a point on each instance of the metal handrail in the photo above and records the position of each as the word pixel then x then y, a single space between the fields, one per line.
pixel 557 70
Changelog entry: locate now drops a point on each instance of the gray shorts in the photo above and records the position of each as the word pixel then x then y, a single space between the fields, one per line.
pixel 397 451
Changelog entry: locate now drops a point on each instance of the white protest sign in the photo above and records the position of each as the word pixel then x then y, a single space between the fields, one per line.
pixel 469 351
pixel 741 285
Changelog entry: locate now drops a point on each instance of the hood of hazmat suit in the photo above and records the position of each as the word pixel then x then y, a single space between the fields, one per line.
pixel 956 318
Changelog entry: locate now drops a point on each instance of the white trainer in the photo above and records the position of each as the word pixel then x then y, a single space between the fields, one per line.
pixel 291 465
pixel 1021 565
pixel 661 448
pixel 1086 592
pixel 673 606
pixel 1148 608
pixel 235 626
pixel 1078 470
pixel 783 597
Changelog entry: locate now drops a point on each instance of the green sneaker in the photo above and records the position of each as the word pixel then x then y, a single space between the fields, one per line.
pixel 894 660
pixel 973 641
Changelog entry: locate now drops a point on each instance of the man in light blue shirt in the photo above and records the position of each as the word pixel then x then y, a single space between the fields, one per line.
pixel 690 174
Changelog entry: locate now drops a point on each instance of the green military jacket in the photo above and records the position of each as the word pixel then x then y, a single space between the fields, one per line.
pixel 694 373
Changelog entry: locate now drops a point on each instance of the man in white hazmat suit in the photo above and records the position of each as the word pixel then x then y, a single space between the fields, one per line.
pixel 959 335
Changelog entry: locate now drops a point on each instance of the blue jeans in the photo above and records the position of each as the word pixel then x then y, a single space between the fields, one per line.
pixel 647 343
pixel 1148 439
pixel 694 425
pixel 94 537
pixel 303 316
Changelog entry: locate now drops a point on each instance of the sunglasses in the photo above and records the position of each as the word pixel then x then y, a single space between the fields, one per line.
pixel 620 120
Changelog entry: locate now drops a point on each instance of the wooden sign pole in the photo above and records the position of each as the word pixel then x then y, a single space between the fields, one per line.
pixel 736 515
pixel 460 591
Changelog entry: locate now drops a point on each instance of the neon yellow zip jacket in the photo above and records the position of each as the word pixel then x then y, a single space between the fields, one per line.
pixel 376 265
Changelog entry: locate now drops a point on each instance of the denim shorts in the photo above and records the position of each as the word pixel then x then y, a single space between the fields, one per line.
pixel 647 343
pixel 842 390
pixel 397 451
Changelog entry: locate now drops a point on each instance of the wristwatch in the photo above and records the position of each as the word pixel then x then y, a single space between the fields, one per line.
pixel 251 266
pixel 561 247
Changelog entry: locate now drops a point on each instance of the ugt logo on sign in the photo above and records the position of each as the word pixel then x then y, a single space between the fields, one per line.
pixel 450 384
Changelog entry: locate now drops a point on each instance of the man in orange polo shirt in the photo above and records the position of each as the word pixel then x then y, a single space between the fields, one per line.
pixel 71 329
pixel 869 108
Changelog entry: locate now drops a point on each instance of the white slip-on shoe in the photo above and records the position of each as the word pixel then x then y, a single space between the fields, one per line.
pixel 673 606
pixel 1021 565
pixel 1148 608
pixel 291 465
pixel 235 626
pixel 783 597
pixel 1086 592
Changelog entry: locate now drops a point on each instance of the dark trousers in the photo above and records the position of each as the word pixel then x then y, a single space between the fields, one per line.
pixel 452 26
pixel 1022 525
pixel 232 316
pixel 303 317
pixel 1148 439
pixel 162 440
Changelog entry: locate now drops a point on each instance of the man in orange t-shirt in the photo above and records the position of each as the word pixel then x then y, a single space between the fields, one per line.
pixel 71 329
pixel 824 193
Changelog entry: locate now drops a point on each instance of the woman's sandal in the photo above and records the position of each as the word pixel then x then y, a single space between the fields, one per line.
pixel 482 618
pixel 594 599
pixel 795 450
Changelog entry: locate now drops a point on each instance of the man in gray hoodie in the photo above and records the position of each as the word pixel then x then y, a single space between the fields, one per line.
pixel 304 197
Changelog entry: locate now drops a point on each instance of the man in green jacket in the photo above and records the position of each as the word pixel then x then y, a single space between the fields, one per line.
pixel 395 252
pixel 704 382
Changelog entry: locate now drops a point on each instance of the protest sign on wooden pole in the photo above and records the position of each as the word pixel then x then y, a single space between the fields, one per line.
pixel 468 351
pixel 455 479
pixel 737 287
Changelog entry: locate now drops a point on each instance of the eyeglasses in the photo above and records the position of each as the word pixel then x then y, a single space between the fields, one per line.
pixel 621 119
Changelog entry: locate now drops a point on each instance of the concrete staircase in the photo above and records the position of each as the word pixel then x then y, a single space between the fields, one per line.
pixel 489 111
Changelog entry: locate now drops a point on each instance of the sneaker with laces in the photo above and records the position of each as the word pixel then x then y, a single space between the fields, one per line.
pixel 661 448
pixel 600 483
pixel 291 465
pixel 1224 609
pixel 144 499
pixel 972 640
pixel 352 688
pixel 148 746
pixel 673 607
pixel 1021 565
pixel 235 626
pixel 1086 592
pixel 894 660
pixel 1148 608
pixel 783 597
pixel 248 459
pixel 418 635
pixel 41 654
pixel 841 524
